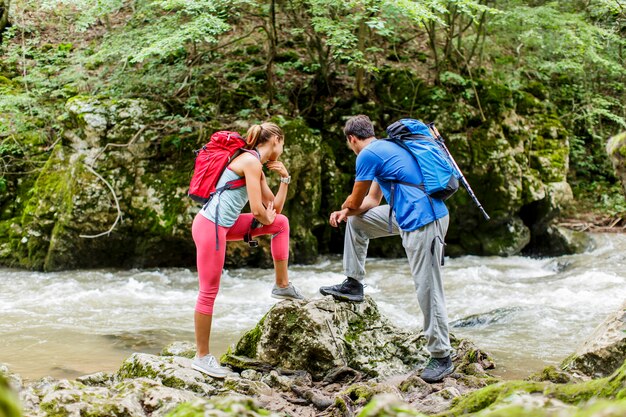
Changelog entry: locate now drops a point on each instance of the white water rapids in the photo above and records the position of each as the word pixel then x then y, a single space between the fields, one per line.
pixel 530 312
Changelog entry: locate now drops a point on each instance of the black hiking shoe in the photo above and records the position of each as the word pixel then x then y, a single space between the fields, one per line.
pixel 349 290
pixel 437 369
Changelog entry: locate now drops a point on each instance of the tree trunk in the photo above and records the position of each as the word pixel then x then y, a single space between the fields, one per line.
pixel 4 16
pixel 272 39
pixel 359 87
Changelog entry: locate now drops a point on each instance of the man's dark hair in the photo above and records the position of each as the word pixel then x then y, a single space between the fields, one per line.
pixel 360 126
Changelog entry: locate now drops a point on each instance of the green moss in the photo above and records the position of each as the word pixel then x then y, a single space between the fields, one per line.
pixel 483 398
pixel 495 98
pixel 247 345
pixel 526 103
pixel 133 369
pixel 552 374
pixel 537 89
pixel 380 408
pixel 187 410
pixel 48 203
pixel 360 394
pixel 232 406
pixel 8 403
pixel 613 387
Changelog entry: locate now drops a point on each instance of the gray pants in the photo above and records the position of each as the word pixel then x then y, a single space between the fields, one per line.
pixel 425 266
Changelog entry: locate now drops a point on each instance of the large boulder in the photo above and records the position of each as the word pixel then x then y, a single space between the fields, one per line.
pixel 321 335
pixel 116 185
pixel 616 148
pixel 604 351
pixel 517 166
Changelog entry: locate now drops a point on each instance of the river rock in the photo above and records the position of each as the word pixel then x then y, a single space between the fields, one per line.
pixel 604 351
pixel 184 349
pixel 616 148
pixel 171 371
pixel 227 406
pixel 597 397
pixel 387 405
pixel 133 398
pixel 517 165
pixel 556 240
pixel 321 335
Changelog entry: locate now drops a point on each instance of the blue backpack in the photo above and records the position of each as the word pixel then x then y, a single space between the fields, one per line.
pixel 440 173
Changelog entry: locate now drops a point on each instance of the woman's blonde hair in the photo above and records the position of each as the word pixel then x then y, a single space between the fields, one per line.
pixel 259 134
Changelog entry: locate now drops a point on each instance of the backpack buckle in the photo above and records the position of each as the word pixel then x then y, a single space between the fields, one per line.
pixel 253 243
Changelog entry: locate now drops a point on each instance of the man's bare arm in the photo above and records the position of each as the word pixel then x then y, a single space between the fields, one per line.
pixel 371 200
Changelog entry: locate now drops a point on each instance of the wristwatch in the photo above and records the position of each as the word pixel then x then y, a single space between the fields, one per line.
pixel 285 180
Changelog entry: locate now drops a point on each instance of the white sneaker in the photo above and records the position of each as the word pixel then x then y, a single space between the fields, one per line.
pixel 209 365
pixel 288 293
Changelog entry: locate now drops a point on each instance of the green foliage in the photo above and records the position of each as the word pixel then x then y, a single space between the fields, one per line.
pixel 557 38
pixel 164 29
pixel 89 12
pixel 216 62
pixel 575 49
pixel 601 197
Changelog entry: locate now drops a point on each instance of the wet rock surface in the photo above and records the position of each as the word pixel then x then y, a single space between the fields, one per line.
pixel 321 335
pixel 604 351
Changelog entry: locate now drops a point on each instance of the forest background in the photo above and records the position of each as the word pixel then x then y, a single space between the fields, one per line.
pixel 103 102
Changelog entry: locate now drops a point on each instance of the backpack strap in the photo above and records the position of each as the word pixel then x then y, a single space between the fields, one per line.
pixel 401 143
pixel 392 197
pixel 230 185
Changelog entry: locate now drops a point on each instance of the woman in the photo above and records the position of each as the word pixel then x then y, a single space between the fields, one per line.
pixel 264 145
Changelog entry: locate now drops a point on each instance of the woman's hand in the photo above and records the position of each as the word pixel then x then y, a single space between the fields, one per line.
pixel 270 213
pixel 278 167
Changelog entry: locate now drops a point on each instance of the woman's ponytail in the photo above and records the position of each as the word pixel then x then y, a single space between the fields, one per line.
pixel 258 134
pixel 253 135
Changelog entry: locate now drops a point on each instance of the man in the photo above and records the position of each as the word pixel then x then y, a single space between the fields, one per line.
pixel 383 166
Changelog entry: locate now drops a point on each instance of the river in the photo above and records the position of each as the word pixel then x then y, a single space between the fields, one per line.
pixel 529 313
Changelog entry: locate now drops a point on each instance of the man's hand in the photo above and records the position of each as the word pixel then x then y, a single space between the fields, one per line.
pixel 337 217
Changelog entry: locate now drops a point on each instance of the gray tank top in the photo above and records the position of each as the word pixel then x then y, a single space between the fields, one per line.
pixel 231 202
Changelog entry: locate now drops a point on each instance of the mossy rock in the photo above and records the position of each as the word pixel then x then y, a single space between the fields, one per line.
pixel 504 239
pixel 320 335
pixel 498 396
pixel 616 149
pixel 8 400
pixel 170 371
pixel 602 352
pixel 228 406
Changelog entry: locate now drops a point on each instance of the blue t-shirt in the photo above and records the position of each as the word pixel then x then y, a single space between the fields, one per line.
pixel 383 160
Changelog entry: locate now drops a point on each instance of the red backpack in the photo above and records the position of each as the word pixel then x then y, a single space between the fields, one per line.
pixel 211 161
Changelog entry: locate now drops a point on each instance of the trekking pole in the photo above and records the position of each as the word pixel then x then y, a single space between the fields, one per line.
pixel 441 141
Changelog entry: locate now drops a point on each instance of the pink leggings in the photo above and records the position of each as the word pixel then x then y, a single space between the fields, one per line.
pixel 211 261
